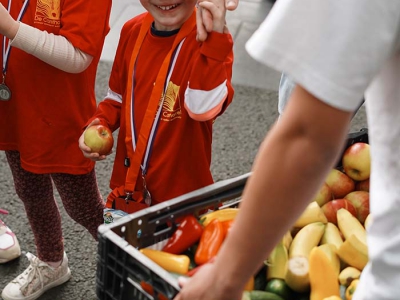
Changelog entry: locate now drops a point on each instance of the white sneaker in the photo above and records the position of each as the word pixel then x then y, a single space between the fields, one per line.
pixel 9 246
pixel 36 279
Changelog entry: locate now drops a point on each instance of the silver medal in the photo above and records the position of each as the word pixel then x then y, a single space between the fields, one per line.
pixel 147 197
pixel 146 193
pixel 5 93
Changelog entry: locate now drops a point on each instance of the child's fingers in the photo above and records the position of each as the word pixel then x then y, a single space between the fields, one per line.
pixel 207 19
pixel 201 30
pixel 213 15
pixel 232 4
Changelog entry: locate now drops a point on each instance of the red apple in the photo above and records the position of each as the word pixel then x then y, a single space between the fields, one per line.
pixel 99 139
pixel 340 183
pixel 360 200
pixel 356 161
pixel 323 195
pixel 330 209
pixel 363 185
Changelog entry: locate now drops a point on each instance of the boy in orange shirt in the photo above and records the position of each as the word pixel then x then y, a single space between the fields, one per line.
pixel 165 91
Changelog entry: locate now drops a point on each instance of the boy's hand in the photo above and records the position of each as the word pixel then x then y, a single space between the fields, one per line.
pixel 87 152
pixel 207 12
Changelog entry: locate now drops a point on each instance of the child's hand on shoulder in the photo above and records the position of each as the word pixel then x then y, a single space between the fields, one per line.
pixel 8 26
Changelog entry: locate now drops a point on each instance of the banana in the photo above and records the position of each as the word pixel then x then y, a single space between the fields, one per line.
pixel 354 252
pixel 297 274
pixel 349 225
pixel 222 215
pixel 330 252
pixel 332 235
pixel 308 237
pixel 347 275
pixel 277 262
pixel 287 239
pixel 367 221
pixel 312 213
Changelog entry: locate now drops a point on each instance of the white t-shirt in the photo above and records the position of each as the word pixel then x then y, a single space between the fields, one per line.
pixel 340 50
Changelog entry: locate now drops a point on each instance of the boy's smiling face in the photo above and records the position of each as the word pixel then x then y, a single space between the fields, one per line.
pixel 169 14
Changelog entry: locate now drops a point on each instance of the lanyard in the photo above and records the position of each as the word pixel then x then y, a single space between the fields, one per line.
pixel 157 119
pixel 137 144
pixel 6 50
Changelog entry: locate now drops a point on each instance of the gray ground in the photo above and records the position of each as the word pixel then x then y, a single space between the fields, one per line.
pixel 237 135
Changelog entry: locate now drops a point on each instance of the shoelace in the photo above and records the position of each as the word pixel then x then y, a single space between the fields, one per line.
pixel 32 271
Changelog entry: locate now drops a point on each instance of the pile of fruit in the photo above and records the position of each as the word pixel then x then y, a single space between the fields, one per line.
pixel 321 258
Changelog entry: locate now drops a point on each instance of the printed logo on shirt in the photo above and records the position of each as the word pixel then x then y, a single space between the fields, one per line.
pixel 172 107
pixel 48 12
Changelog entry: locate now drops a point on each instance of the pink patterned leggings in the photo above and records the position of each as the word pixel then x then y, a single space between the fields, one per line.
pixel 80 197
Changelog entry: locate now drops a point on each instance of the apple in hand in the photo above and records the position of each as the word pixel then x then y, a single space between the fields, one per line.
pixel 356 161
pixel 330 209
pixel 99 139
pixel 360 200
pixel 323 195
pixel 363 185
pixel 340 183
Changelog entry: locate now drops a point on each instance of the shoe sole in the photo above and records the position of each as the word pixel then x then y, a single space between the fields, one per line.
pixel 14 256
pixel 39 293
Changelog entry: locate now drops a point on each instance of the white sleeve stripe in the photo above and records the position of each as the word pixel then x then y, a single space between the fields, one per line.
pixel 200 102
pixel 111 95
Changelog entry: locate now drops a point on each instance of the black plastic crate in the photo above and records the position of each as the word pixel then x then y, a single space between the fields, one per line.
pixel 121 267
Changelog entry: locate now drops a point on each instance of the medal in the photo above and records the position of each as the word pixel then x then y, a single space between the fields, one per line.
pixel 147 197
pixel 146 193
pixel 5 93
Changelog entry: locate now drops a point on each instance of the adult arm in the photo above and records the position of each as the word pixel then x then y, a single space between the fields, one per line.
pixel 293 161
pixel 54 50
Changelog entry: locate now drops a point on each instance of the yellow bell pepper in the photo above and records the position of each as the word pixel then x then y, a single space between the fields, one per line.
pixel 170 262
pixel 351 289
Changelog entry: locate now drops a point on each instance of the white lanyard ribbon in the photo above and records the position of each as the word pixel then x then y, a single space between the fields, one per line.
pixel 144 165
pixel 6 50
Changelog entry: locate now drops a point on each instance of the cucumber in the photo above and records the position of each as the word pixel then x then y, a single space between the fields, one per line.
pixel 278 286
pixel 260 295
pixel 260 279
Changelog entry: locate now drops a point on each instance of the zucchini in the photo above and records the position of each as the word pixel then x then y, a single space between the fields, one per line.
pixel 260 295
pixel 278 286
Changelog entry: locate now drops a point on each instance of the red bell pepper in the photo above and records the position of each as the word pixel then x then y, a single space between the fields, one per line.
pixel 193 271
pixel 187 233
pixel 211 240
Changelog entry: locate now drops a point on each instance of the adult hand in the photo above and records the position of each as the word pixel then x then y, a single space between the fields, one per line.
pixel 205 19
pixel 87 152
pixel 208 283
pixel 8 26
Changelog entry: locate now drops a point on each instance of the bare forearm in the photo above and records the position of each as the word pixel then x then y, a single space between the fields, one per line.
pixel 291 165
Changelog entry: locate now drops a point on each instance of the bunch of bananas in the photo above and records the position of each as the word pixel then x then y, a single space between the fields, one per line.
pixel 320 258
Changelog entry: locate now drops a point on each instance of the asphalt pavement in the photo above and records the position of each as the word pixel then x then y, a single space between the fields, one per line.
pixel 237 136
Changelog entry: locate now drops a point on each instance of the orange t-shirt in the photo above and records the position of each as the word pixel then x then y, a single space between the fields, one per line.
pixel 43 120
pixel 180 156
